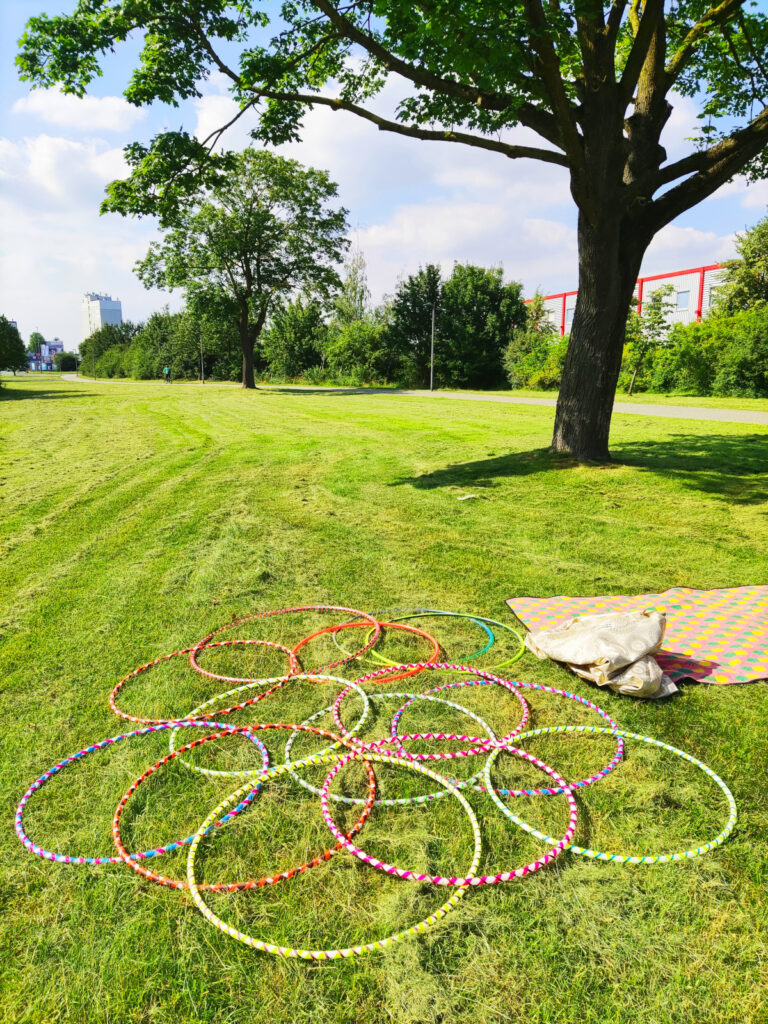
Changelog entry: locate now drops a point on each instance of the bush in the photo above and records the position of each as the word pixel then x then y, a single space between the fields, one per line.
pixel 110 364
pixel 65 362
pixel 535 359
pixel 721 356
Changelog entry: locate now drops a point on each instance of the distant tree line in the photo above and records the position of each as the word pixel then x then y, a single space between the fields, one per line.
pixel 342 338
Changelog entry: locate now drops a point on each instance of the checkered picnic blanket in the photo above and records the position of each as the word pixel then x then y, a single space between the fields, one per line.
pixel 714 636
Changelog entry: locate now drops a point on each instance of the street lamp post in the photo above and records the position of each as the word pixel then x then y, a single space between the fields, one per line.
pixel 432 353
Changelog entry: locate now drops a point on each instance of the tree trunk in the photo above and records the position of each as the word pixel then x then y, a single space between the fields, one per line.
pixel 246 345
pixel 610 253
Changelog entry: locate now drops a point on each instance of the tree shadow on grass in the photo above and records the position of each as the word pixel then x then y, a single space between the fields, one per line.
pixel 734 468
pixel 339 392
pixel 731 467
pixel 15 394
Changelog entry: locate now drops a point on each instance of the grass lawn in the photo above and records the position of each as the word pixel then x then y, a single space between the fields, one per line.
pixel 138 519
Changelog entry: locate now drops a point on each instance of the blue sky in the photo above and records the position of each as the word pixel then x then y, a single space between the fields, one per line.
pixel 410 202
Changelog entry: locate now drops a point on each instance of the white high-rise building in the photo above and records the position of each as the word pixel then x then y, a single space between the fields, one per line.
pixel 99 310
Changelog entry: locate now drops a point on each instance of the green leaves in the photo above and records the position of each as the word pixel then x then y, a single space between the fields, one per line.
pixel 166 177
pixel 264 228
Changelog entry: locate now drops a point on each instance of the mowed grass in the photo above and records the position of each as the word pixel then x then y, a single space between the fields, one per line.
pixel 137 519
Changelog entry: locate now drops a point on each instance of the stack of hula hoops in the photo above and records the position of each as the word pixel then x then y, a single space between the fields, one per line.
pixel 343 746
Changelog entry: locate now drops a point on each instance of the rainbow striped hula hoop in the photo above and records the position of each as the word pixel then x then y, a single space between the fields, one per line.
pixel 349 951
pixel 252 883
pixel 250 772
pixel 62 858
pixel 287 611
pixel 376 745
pixel 471 879
pixel 620 858
pixel 186 650
pixel 488 677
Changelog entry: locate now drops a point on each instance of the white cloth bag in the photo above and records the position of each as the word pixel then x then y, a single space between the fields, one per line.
pixel 614 650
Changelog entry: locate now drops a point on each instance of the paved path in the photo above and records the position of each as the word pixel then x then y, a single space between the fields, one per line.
pixel 683 412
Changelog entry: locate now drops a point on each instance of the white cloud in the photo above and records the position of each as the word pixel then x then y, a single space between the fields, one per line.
pixel 88 114
pixel 678 248
pixel 55 246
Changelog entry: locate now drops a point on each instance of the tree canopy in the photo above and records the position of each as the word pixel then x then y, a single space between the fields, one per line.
pixel 36 341
pixel 12 353
pixel 265 231
pixel 746 278
pixel 592 83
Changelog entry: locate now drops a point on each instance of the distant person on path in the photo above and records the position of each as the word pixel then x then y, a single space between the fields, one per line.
pixel 167 374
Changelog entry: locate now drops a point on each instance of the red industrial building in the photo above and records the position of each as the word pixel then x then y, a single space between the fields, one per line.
pixel 693 294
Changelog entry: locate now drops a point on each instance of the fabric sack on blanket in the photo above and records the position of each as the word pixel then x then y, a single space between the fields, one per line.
pixel 614 650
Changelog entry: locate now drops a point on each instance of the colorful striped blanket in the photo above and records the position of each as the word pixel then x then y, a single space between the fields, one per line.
pixel 713 636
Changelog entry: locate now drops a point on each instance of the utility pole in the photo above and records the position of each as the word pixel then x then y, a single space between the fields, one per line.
pixel 432 353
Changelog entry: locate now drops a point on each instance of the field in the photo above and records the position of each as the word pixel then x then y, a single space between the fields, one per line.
pixel 138 518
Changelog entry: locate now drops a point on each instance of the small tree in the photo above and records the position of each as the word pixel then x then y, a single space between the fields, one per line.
pixel 647 330
pixel 66 362
pixel 12 354
pixel 353 300
pixel 102 340
pixel 528 349
pixel 295 339
pixel 265 231
pixel 478 315
pixel 408 335
pixel 746 279
pixel 36 341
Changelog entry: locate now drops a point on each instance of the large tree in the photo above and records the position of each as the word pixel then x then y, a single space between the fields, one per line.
pixel 593 79
pixel 260 233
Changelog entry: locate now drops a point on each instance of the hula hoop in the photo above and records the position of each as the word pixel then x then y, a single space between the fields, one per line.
pixel 402 752
pixel 293 662
pixel 330 954
pixel 249 772
pixel 471 879
pixel 61 858
pixel 376 745
pixel 286 611
pixel 174 654
pixel 482 674
pixel 620 858
pixel 418 613
pixel 251 883
pixel 384 625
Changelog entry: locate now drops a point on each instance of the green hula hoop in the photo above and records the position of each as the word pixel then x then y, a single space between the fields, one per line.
pixel 420 613
pixel 617 858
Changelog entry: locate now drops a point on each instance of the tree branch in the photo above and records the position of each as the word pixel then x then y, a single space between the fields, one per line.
pixel 613 24
pixel 218 132
pixel 411 131
pixel 705 159
pixel 417 75
pixel 653 11
pixel 713 17
pixel 718 164
pixel 530 116
pixel 549 68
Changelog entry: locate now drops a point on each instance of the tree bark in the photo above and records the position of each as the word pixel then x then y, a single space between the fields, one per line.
pixel 610 254
pixel 246 345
